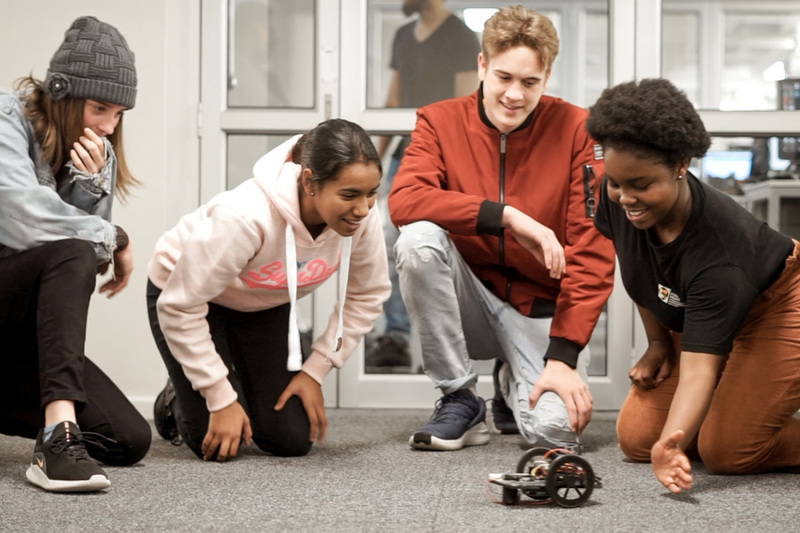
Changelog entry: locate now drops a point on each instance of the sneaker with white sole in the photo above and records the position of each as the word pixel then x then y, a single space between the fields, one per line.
pixel 62 464
pixel 458 421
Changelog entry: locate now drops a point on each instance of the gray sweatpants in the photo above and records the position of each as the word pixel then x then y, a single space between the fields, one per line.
pixel 458 319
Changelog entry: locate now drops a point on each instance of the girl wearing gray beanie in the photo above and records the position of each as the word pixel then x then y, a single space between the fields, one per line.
pixel 61 163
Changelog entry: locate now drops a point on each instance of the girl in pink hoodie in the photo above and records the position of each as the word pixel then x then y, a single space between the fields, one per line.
pixel 224 281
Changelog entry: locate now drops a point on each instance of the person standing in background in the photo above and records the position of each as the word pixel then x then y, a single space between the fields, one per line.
pixel 433 58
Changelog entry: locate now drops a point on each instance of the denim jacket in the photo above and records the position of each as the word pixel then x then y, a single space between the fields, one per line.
pixel 35 210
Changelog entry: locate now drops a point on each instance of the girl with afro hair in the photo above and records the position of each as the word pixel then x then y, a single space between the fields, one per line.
pixel 718 292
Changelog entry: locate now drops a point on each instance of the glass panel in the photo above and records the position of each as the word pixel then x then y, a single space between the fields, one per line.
pixel 681 51
pixel 428 69
pixel 745 51
pixel 244 151
pixel 760 49
pixel 583 58
pixel 596 51
pixel 272 53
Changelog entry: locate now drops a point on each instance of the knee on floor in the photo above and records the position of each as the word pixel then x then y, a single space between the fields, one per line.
pixel 635 441
pixel 129 448
pixel 285 444
pixel 721 456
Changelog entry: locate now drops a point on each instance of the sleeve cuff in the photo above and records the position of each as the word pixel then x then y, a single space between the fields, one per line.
pixel 121 239
pixel 490 216
pixel 563 350
pixel 317 366
pixel 219 395
pixel 98 183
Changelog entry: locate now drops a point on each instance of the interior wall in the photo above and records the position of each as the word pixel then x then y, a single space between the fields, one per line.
pixel 161 144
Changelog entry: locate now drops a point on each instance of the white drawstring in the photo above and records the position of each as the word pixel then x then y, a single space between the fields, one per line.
pixel 295 360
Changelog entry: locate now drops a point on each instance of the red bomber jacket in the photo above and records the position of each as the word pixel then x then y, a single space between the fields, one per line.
pixel 459 172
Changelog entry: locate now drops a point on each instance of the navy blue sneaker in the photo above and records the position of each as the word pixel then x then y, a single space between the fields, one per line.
pixel 458 421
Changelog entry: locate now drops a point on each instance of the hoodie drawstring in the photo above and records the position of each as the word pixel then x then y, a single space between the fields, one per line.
pixel 295 359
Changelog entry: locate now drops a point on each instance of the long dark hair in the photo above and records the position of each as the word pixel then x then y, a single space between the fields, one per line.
pixel 332 146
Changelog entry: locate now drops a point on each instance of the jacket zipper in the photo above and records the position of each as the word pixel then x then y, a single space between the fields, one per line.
pixel 502 244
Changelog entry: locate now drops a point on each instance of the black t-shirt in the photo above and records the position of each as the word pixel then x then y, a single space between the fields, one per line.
pixel 704 282
pixel 427 69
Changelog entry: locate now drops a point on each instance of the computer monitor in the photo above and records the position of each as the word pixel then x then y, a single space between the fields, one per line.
pixel 736 164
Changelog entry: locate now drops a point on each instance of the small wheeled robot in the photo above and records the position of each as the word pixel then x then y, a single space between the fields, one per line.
pixel 546 475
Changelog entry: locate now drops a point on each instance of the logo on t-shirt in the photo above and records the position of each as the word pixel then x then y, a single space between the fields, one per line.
pixel 666 295
pixel 598 152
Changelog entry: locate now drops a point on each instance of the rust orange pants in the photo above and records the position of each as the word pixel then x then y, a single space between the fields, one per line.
pixel 750 426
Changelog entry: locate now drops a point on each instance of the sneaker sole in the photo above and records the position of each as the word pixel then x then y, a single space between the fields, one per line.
pixel 475 436
pixel 37 476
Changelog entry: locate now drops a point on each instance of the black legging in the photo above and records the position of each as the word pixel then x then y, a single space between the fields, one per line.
pixel 254 347
pixel 44 303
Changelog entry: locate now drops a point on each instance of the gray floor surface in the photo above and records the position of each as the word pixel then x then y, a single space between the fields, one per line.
pixel 365 478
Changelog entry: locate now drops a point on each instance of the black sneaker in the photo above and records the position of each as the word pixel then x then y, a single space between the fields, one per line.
pixel 387 354
pixel 62 464
pixel 458 421
pixel 164 416
pixel 502 415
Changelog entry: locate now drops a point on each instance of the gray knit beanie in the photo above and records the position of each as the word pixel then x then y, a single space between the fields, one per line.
pixel 94 61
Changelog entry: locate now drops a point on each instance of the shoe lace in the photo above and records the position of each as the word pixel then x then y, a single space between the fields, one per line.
pixel 451 408
pixel 75 445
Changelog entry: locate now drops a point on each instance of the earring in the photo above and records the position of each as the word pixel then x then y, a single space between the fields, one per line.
pixel 680 177
pixel 312 193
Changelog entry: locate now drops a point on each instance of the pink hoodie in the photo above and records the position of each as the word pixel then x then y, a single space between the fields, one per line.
pixel 233 251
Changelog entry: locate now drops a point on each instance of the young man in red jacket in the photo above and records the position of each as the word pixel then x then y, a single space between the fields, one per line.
pixel 498 256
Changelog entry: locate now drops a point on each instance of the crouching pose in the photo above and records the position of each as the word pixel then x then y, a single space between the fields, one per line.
pixel 498 257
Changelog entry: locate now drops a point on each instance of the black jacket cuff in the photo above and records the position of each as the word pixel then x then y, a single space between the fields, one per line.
pixel 490 217
pixel 563 350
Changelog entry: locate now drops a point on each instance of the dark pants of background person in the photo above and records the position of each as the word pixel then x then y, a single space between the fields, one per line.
pixel 44 303
pixel 254 347
pixel 750 425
